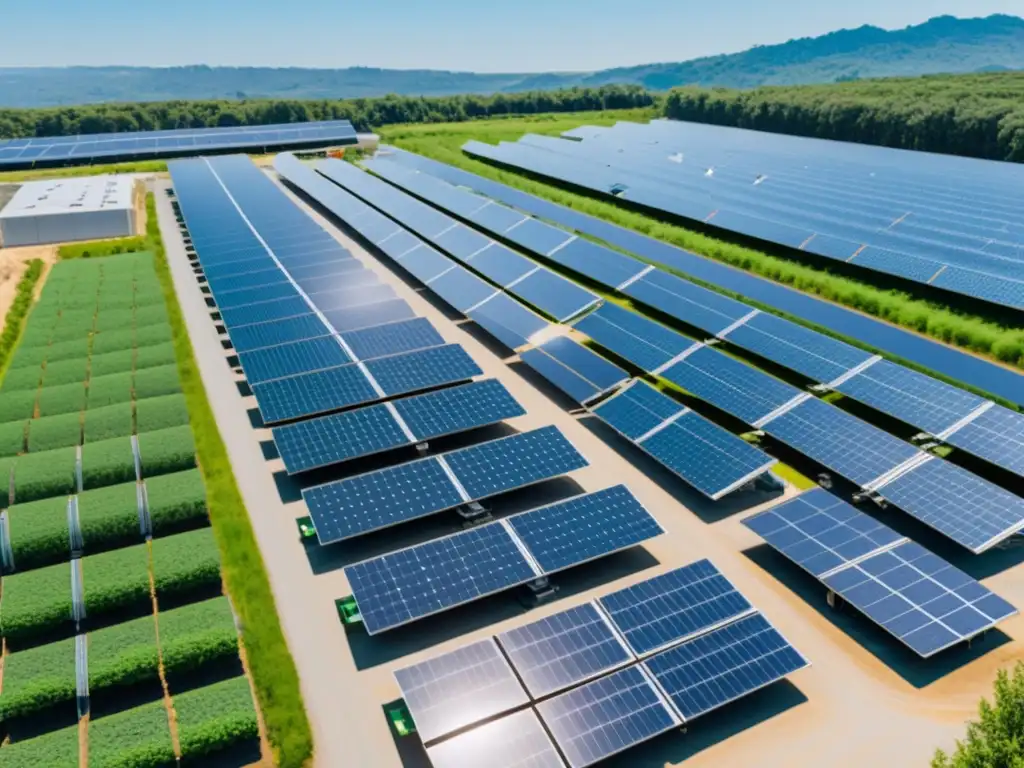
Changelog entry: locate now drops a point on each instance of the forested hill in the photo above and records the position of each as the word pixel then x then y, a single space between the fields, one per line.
pixel 943 44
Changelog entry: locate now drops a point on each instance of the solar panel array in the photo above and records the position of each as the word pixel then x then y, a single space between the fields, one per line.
pixel 409 584
pixel 385 497
pixel 899 222
pixel 916 596
pixel 579 372
pixel 711 459
pixel 86 148
pixel 925 402
pixel 603 676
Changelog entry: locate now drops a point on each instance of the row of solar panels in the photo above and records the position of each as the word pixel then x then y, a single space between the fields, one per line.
pixel 619 174
pixel 602 676
pixel 16 152
pixel 963 420
pixel 949 361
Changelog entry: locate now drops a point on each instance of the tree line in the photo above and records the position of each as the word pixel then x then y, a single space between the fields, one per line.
pixel 365 114
pixel 972 115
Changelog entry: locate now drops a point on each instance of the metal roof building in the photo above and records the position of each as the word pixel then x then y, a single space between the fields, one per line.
pixel 63 210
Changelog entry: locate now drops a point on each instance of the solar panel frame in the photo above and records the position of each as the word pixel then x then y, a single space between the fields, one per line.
pixel 499 744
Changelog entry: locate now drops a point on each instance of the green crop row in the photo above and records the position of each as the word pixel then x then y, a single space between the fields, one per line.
pixel 136 738
pixel 15 318
pixel 61 399
pixel 109 389
pixel 156 381
pixel 160 413
pixel 57 749
pixel 98 248
pixel 38 679
pixel 215 718
pixel 167 450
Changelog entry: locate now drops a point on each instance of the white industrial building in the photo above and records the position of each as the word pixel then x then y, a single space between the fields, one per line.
pixel 65 210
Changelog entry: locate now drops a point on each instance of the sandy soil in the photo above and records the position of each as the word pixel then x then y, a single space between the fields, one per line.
pixel 13 263
pixel 864 700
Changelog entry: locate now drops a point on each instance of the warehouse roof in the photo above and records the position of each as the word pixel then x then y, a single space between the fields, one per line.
pixel 63 196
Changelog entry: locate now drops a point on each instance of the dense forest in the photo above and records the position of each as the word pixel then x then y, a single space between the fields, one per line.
pixel 972 115
pixel 365 114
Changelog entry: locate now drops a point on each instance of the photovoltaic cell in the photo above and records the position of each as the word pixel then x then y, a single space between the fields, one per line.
pixel 515 741
pixel 642 342
pixel 553 294
pixel 315 443
pixel 284 360
pixel 255 295
pixel 536 236
pixel 603 265
pixel 501 264
pixel 563 650
pixel 637 410
pixel 250 337
pixel 666 609
pixel 355 318
pixel 393 338
pixel 264 312
pixel 588 364
pixel 459 688
pixel 565 379
pixel 997 435
pixel 694 305
pixel 310 394
pixel 461 288
pixel 422 369
pixel 456 409
pixel 507 320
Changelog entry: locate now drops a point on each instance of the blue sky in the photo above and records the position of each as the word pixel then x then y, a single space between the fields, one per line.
pixel 502 36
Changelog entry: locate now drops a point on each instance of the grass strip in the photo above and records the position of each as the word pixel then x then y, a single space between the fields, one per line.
pixel 153 355
pixel 123 655
pixel 176 501
pixel 44 475
pixel 155 413
pixel 111 320
pixel 116 581
pixel 14 320
pixel 102 365
pixel 270 663
pixel 136 738
pixel 113 341
pixel 74 351
pixel 98 248
pixel 38 679
pixel 27 376
pixel 72 370
pixel 18 405
pixel 12 437
pixel 110 389
pixel 57 748
pixel 149 335
pixel 109 518
pixel 35 603
pixel 215 718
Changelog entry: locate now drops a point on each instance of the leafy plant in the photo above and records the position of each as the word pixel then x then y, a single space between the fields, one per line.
pixel 116 581
pixel 110 389
pixel 109 518
pixel 153 312
pixel 197 636
pixel 12 437
pixel 113 341
pixel 215 718
pixel 152 334
pixel 153 355
pixel 136 738
pixel 53 432
pixel 157 381
pixel 114 319
pixel 68 370
pixel 99 248
pixel 34 603
pixel 176 501
pixel 38 679
pixel 166 450
pixel 17 405
pixel 102 365
pixel 14 321
pixel 63 398
pixel 123 655
pixel 54 748
pixel 27 376
pixel 107 423
pixel 39 533
pixel 107 462
pixel 185 564
pixel 996 738
pixel 74 349
pixel 160 413
pixel 46 474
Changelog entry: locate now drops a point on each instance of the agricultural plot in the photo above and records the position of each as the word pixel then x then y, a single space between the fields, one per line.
pixel 139 737
pixel 215 718
pixel 38 679
pixel 54 748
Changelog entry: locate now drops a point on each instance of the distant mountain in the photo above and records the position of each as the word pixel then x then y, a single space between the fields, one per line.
pixel 941 45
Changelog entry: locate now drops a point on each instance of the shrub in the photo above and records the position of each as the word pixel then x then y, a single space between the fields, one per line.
pixel 12 437
pixel 53 432
pixel 152 334
pixel 63 398
pixel 215 718
pixel 176 501
pixel 136 738
pixel 111 363
pixel 157 381
pixel 152 313
pixel 54 748
pixel 27 377
pixel 154 354
pixel 196 636
pixel 185 564
pixel 34 603
pixel 116 581
pixel 110 389
pixel 107 462
pixel 123 655
pixel 38 679
pixel 14 322
pixel 72 370
pixel 39 533
pixel 109 422
pixel 98 248
pixel 75 349
pixel 113 341
pixel 160 413
pixel 18 405
pixel 109 518
pixel 44 475
pixel 167 450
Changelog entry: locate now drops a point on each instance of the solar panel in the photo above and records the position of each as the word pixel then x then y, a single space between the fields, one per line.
pixel 320 442
pixel 461 288
pixel 515 741
pixel 501 264
pixel 459 688
pixel 413 583
pixel 721 666
pixel 246 281
pixel 565 379
pixel 284 360
pixel 422 369
pixel 603 265
pixel 399 243
pixel 637 409
pixel 996 435
pixel 674 606
pixel 264 312
pixel 496 217
pixel 642 342
pixel 250 337
pixel 457 409
pixel 507 320
pixel 536 236
pixel 255 296
pixel 386 497
pixel 564 649
pixel 606 716
pixel 686 301
pixel 973 512
pixel 461 242
pixel 924 601
pixel 584 528
pixel 588 364
pixel 362 278
pixel 341 298
pixel 355 318
pixel 310 394
pixel 393 338
pixel 820 532
pixel 553 294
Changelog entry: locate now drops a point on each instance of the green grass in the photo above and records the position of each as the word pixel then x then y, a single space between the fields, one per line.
pixel 14 320
pixel 142 166
pixel 73 352
pixel 137 738
pixel 34 603
pixel 57 748
pixel 17 405
pixel 115 581
pixel 154 355
pixel 12 437
pixel 273 671
pixel 110 363
pixel 107 423
pixel 168 450
pixel 149 335
pixel 113 341
pixel 109 518
pixel 67 371
pixel 38 679
pixel 53 432
pixel 215 718
pixel 443 142
pixel 114 320
pixel 157 381
pixel 110 389
pixel 62 398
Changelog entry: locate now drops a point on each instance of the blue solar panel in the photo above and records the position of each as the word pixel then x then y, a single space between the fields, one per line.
pixel 971 511
pixel 553 294
pixel 342 298
pixel 457 409
pixel 515 741
pixel 246 281
pixel 507 320
pixel 999 290
pixel 815 355
pixel 412 583
pixel 850 447
pixel 461 288
pixel 697 306
pixel 347 281
pixel 310 394
pixel 642 342
pixel 662 611
pixel 323 269
pixel 251 337
pixel 563 650
pixel 501 264
pixel 393 338
pixel 996 435
pixel 735 387
pixel 461 242
pixel 567 380
pixel 820 532
pixel 459 688
pixel 536 236
pixel 637 410
pixel 603 265
pixel 399 243
pixel 315 443
pixel 354 318
pixel 422 369
pixel 427 264
pixel 606 716
pixel 724 665
pixel 496 218
pixel 264 312
pixel 591 366
pixel 255 296
pixel 920 598
pixel 284 360
pixel 585 527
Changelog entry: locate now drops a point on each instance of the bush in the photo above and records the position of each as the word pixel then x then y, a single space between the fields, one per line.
pixel 71 370
pixel 18 405
pixel 38 679
pixel 136 738
pixel 157 381
pixel 185 564
pixel 98 248
pixel 53 432
pixel 109 518
pixel 64 398
pixel 113 341
pixel 54 748
pixel 116 581
pixel 27 377
pixel 39 533
pixel 108 423
pixel 111 363
pixel 110 389
pixel 160 413
pixel 44 475
pixel 15 319
pixel 34 603
pixel 152 334
pixel 176 501
pixel 196 636
pixel 166 450
pixel 153 355
pixel 997 737
pixel 215 718
pixel 107 462
pixel 12 438
pixel 123 655
pixel 75 349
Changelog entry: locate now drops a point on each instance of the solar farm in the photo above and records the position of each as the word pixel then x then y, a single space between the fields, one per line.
pixel 530 489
